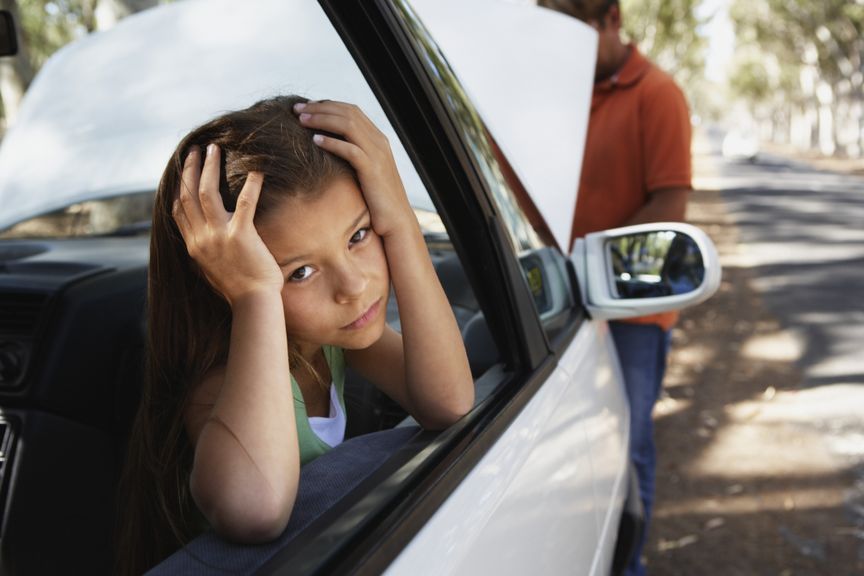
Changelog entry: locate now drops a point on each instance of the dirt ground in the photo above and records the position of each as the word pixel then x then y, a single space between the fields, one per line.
pixel 745 485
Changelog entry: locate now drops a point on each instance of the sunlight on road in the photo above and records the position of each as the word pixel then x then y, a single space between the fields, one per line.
pixel 784 433
pixel 807 252
pixel 668 405
pixel 763 501
pixel 783 346
pixel 751 446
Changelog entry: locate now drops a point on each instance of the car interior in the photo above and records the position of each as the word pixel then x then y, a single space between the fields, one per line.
pixel 72 337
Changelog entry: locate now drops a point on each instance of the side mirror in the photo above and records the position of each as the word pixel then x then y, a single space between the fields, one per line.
pixel 8 39
pixel 645 269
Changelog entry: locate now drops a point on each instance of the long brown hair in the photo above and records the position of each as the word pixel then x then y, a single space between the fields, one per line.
pixel 189 324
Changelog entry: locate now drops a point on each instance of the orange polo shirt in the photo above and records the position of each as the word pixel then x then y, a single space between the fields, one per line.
pixel 638 142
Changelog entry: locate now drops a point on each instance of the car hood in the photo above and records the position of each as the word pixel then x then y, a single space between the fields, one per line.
pixel 530 73
pixel 105 113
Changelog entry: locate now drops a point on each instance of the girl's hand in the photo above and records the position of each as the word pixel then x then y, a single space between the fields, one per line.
pixel 226 246
pixel 368 151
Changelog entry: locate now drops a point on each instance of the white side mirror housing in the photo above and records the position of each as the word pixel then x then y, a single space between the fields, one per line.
pixel 645 269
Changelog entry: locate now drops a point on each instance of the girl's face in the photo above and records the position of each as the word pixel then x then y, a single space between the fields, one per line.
pixel 336 277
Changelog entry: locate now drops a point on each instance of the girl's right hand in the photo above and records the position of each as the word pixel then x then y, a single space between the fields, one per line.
pixel 225 245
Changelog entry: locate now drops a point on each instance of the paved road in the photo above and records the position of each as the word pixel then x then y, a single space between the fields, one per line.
pixel 803 233
pixel 761 429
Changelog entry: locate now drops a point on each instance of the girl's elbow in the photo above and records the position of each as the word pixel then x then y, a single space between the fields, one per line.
pixel 248 517
pixel 464 405
pixel 252 526
pixel 464 402
pixel 255 522
pixel 448 415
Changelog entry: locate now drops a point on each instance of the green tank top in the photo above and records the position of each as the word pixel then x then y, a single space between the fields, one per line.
pixel 311 446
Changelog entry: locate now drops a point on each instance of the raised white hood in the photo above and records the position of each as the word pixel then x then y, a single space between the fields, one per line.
pixel 105 112
pixel 530 73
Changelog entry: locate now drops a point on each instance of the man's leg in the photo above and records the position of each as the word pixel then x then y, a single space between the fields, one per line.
pixel 642 350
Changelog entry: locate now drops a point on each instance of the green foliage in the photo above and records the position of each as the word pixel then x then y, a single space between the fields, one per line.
pixel 811 55
pixel 667 32
pixel 48 25
pixel 751 79
pixel 828 34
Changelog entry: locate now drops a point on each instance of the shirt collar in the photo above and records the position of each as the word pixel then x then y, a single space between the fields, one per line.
pixel 634 68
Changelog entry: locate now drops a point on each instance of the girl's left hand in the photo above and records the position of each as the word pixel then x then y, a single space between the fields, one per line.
pixel 368 151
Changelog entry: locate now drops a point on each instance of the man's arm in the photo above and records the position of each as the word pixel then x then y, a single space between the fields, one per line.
pixel 666 138
pixel 669 205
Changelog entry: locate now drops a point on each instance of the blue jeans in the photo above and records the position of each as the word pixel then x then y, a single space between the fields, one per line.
pixel 642 351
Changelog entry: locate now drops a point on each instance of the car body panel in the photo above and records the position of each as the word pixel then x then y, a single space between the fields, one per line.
pixel 606 424
pixel 530 505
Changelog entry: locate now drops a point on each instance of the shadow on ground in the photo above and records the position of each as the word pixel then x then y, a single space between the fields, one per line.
pixel 746 483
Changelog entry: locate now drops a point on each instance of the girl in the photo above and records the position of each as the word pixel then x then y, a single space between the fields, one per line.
pixel 277 233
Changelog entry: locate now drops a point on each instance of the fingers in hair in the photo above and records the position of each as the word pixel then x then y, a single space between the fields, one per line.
pixel 208 188
pixel 180 218
pixel 343 119
pixel 189 182
pixel 247 201
pixel 346 150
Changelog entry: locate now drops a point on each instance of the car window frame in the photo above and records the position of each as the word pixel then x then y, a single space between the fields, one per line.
pixel 566 322
pixel 365 531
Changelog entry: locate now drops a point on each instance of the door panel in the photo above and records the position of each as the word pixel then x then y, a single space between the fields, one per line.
pixel 593 368
pixel 529 505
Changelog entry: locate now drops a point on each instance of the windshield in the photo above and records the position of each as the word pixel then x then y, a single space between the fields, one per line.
pixel 125 215
pixel 131 215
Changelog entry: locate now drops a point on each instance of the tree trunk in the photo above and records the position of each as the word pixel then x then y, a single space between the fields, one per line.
pixel 15 72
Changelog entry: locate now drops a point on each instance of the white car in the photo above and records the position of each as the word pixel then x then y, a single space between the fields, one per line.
pixel 741 144
pixel 485 104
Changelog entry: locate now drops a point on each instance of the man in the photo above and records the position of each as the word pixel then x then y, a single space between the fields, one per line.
pixel 636 169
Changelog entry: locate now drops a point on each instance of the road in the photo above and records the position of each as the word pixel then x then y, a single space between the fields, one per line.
pixel 761 426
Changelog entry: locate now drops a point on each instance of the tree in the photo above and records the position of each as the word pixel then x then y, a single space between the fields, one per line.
pixel 818 48
pixel 667 32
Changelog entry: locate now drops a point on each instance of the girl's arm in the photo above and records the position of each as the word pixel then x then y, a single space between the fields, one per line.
pixel 241 416
pixel 425 369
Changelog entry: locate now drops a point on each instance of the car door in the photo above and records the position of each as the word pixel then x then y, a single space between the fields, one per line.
pixel 529 499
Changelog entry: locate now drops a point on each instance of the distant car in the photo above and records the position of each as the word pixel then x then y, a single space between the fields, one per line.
pixel 533 480
pixel 741 144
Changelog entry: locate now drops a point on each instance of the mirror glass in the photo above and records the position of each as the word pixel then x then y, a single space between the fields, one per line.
pixel 8 43
pixel 653 264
